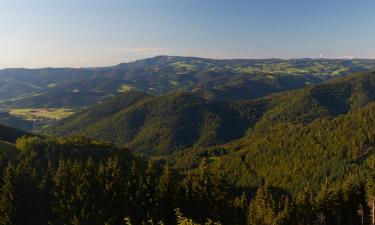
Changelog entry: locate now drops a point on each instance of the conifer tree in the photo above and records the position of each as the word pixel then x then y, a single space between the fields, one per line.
pixel 167 195
pixel 86 193
pixel 353 191
pixel 370 190
pixel 262 208
pixel 304 202
pixel 46 188
pixel 62 204
pixel 111 184
pixel 324 203
pixel 132 193
pixel 240 204
pixel 27 196
pixel 7 204
pixel 149 192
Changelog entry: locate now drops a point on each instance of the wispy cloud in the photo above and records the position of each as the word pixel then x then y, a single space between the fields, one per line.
pixel 138 50
pixel 346 57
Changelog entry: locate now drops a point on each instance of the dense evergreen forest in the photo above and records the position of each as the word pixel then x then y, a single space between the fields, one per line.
pixel 303 157
pixel 30 91
pixel 78 181
pixel 187 120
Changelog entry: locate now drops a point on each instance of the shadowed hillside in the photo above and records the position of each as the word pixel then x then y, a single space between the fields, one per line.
pixel 10 134
pixel 164 124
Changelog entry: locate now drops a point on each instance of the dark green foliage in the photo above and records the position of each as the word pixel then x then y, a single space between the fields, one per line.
pixel 205 193
pixel 72 99
pixel 10 134
pixel 100 111
pixel 302 155
pixel 7 207
pixel 79 181
pixel 13 121
pixel 165 124
pixel 314 154
pixel 240 87
pixel 160 125
pixel 263 210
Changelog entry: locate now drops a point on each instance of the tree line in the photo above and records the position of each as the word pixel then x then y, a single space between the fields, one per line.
pixel 79 181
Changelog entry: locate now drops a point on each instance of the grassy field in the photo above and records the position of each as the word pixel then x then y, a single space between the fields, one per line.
pixel 37 114
pixel 125 88
pixel 287 68
pixel 182 65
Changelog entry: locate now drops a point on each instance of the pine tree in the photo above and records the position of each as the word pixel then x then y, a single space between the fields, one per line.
pixel 27 197
pixel 132 194
pixel 262 208
pixel 62 204
pixel 46 188
pixel 7 204
pixel 240 204
pixel 167 195
pixel 111 184
pixel 149 192
pixel 304 201
pixel 324 203
pixel 86 193
pixel 285 212
pixel 353 196
pixel 370 190
pixel 219 195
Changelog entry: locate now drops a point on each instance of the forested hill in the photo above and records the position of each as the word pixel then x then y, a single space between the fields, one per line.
pixel 295 158
pixel 168 123
pixel 10 134
pixel 159 125
pixel 213 79
pixel 79 181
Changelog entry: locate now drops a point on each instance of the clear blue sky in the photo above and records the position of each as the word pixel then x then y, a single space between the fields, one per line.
pixel 37 33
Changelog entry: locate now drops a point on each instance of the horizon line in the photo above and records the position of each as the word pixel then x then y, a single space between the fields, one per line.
pixel 181 56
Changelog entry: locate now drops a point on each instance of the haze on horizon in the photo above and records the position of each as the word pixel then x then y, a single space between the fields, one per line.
pixel 71 33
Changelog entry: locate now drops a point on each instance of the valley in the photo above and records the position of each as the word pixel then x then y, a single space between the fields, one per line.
pixel 36 114
pixel 206 132
pixel 188 112
pixel 214 79
pixel 67 90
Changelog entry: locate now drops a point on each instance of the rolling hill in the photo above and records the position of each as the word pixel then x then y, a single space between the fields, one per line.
pixel 164 124
pixel 215 79
pixel 314 146
pixel 294 156
pixel 159 125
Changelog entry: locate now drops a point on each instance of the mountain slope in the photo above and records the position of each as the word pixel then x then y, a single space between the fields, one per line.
pixel 168 123
pixel 321 135
pixel 7 151
pixel 239 87
pixel 217 79
pixel 10 134
pixel 161 125
pixel 294 156
pixel 98 112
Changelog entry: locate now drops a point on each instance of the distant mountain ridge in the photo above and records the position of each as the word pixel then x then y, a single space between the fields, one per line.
pixel 214 79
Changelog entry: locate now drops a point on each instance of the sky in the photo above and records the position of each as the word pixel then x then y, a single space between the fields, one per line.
pixel 82 33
